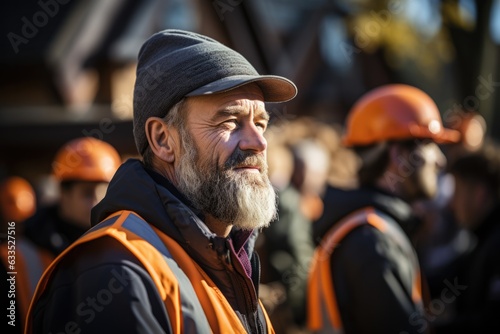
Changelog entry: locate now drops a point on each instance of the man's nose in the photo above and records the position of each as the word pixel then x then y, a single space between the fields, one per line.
pixel 252 139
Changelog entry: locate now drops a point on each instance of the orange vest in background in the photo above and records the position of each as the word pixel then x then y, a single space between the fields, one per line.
pixel 322 306
pixel 177 276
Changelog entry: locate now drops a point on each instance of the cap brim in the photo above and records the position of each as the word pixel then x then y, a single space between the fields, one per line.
pixel 274 88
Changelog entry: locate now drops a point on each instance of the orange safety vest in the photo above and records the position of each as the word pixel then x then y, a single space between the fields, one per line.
pixel 29 263
pixel 323 311
pixel 181 282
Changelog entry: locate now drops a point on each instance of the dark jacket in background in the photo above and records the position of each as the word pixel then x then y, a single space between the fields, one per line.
pixel 475 298
pixel 373 275
pixel 49 231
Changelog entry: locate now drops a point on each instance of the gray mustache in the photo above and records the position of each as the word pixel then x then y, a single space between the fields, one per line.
pixel 241 158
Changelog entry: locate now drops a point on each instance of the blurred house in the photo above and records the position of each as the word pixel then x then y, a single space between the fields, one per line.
pixel 67 67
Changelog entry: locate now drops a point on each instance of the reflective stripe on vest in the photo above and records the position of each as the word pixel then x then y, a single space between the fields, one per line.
pixel 323 312
pixel 30 262
pixel 193 317
pixel 178 278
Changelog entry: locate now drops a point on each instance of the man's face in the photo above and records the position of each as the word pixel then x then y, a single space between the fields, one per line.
pixel 426 161
pixel 77 201
pixel 222 167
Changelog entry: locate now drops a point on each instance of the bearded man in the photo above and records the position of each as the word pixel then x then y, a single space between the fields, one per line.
pixel 171 249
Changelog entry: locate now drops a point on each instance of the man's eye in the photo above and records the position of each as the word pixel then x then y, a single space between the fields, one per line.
pixel 262 125
pixel 231 123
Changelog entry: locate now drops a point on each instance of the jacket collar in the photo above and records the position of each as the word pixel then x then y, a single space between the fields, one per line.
pixel 340 202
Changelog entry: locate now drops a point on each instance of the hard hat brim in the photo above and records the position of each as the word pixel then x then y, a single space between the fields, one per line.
pixel 444 136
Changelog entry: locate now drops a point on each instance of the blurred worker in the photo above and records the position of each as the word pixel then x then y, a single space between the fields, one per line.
pixel 288 244
pixel 271 289
pixel 22 263
pixel 365 276
pixel 83 166
pixel 441 240
pixel 312 164
pixel 475 303
pixel 172 247
pixel 17 201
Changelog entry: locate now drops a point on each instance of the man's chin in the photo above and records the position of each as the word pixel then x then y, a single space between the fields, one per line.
pixel 249 178
pixel 246 170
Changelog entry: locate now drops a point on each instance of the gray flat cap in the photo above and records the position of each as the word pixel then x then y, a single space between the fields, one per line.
pixel 174 64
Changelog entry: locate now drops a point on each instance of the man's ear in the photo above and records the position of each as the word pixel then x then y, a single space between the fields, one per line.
pixel 160 138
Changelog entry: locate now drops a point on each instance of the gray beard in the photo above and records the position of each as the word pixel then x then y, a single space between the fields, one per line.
pixel 245 200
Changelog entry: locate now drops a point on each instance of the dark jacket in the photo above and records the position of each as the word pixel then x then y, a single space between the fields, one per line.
pixel 475 296
pixel 49 231
pixel 230 262
pixel 373 275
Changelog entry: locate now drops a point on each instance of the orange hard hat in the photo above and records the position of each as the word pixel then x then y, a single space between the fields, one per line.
pixel 17 199
pixel 395 112
pixel 86 159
